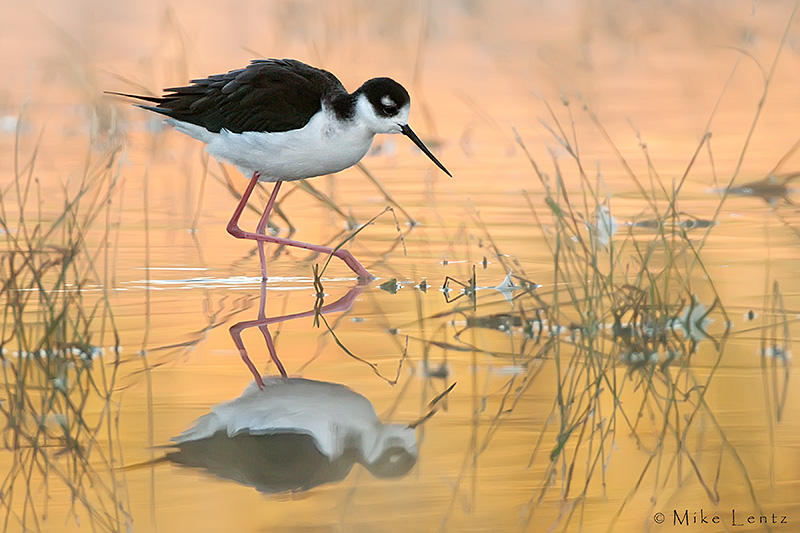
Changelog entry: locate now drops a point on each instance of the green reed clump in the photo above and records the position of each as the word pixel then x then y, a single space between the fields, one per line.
pixel 58 419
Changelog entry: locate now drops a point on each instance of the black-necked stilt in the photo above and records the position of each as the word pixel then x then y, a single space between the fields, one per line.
pixel 283 120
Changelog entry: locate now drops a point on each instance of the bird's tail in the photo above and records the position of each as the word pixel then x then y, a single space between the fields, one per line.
pixel 153 99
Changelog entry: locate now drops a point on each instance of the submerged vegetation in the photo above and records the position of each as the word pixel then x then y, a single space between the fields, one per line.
pixel 60 346
pixel 631 326
pixel 594 374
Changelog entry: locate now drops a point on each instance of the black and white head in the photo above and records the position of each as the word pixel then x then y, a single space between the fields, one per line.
pixel 383 106
pixel 393 453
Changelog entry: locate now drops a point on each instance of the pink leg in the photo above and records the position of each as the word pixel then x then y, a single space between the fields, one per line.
pixel 342 304
pixel 263 320
pixel 271 347
pixel 262 224
pixel 236 335
pixel 262 301
pixel 233 229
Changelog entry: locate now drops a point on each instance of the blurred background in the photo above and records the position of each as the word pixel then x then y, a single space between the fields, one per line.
pixel 610 279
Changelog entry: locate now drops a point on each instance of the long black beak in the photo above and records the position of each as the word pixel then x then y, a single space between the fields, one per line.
pixel 413 136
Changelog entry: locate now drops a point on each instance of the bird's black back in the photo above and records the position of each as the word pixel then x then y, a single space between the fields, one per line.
pixel 269 95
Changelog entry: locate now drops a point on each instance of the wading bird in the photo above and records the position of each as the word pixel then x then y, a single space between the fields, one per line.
pixel 282 120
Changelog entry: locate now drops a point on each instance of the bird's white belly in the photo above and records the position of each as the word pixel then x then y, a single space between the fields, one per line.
pixel 323 146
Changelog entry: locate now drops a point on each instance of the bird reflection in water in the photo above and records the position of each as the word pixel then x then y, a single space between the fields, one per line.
pixel 262 323
pixel 292 434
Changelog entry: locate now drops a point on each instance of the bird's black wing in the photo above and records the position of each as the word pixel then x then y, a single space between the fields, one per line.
pixel 271 95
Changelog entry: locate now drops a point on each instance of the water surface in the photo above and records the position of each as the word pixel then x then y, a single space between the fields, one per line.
pixel 630 369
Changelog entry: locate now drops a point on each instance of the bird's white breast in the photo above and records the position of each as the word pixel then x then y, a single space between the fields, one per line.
pixel 323 146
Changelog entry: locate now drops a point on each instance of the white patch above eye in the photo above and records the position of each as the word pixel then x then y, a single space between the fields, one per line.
pixel 387 101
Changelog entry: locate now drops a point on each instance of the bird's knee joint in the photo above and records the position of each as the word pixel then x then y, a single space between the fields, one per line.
pixel 234 230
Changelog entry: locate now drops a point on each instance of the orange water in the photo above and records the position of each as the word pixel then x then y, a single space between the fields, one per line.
pixel 652 73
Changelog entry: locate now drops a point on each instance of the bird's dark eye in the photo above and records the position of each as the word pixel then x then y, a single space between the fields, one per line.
pixel 388 105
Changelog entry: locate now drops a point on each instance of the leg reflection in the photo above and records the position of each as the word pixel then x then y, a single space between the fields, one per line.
pixel 262 323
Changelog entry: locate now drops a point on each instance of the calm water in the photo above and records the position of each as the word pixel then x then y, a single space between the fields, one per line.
pixel 631 369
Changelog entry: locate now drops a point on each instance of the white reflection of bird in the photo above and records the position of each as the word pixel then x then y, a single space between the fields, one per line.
pixel 336 417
